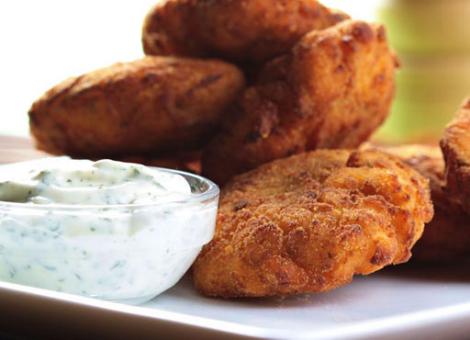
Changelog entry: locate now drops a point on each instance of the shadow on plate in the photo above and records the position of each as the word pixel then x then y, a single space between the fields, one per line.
pixel 185 291
pixel 450 273
pixel 454 272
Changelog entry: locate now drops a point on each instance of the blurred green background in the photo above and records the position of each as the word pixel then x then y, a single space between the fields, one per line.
pixel 432 40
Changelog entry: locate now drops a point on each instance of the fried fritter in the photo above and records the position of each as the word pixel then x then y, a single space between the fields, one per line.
pixel 455 146
pixel 426 159
pixel 309 222
pixel 245 31
pixel 447 236
pixel 332 91
pixel 153 105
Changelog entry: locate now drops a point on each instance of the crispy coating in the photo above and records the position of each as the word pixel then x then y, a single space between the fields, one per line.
pixel 309 222
pixel 455 146
pixel 153 105
pixel 245 31
pixel 426 159
pixel 447 236
pixel 332 91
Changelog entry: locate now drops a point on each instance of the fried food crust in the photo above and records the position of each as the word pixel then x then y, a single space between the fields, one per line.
pixel 153 105
pixel 447 236
pixel 246 31
pixel 426 159
pixel 455 146
pixel 309 222
pixel 332 91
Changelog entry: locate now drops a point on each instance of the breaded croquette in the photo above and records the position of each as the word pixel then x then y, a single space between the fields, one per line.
pixel 155 105
pixel 332 91
pixel 310 222
pixel 241 31
pixel 447 236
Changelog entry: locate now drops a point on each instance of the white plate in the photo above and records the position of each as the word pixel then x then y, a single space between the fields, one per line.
pixel 403 302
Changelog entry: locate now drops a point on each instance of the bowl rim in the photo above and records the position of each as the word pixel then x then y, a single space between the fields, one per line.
pixel 212 192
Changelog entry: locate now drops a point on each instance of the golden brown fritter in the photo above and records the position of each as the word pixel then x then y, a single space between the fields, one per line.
pixel 426 159
pixel 153 105
pixel 447 236
pixel 309 222
pixel 246 31
pixel 332 91
pixel 455 146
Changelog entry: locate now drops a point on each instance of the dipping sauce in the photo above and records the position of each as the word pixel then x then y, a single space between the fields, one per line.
pixel 106 182
pixel 113 230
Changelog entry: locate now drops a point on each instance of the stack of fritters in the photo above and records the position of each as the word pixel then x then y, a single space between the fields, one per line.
pixel 304 77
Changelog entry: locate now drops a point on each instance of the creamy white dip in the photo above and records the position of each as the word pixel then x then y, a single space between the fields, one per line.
pixel 106 229
pixel 106 182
